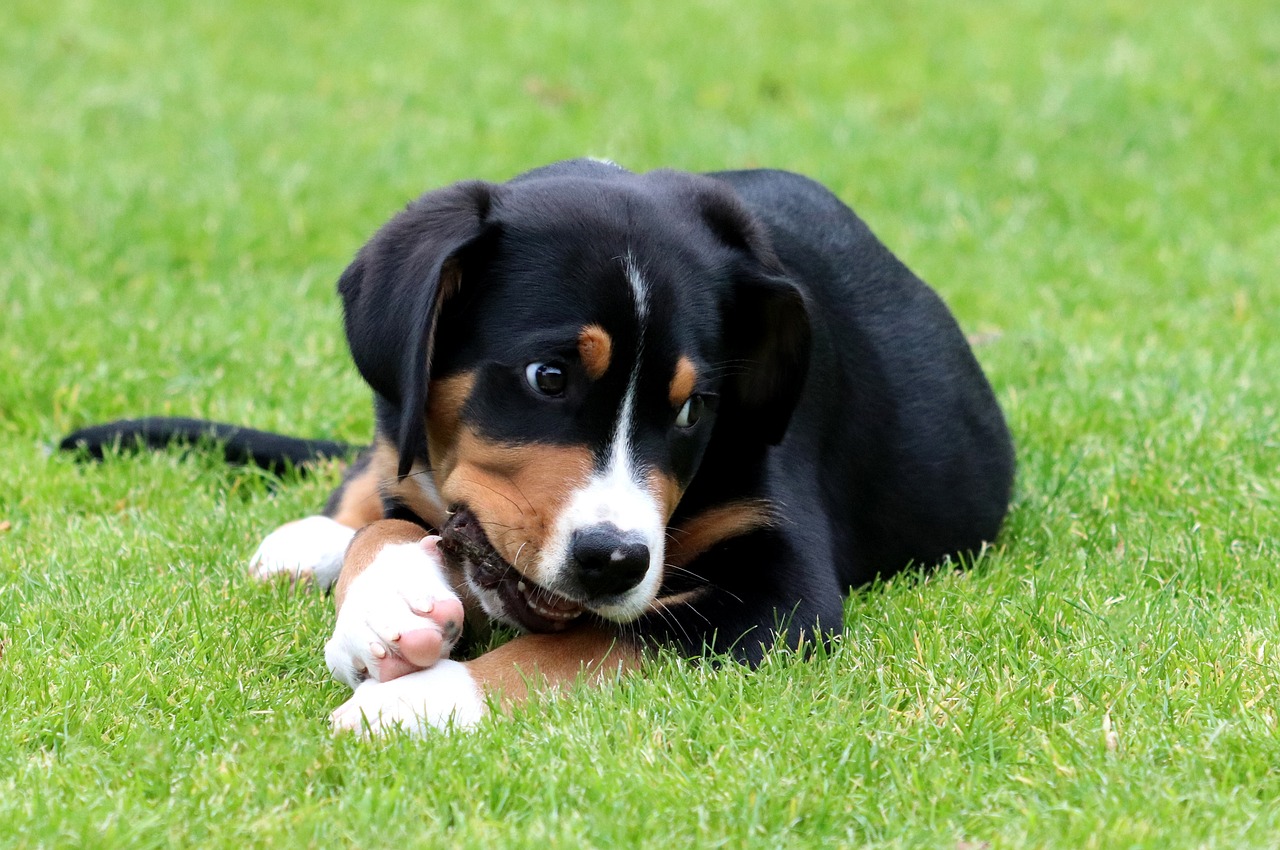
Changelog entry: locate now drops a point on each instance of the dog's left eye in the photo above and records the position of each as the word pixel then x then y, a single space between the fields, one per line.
pixel 546 378
pixel 691 412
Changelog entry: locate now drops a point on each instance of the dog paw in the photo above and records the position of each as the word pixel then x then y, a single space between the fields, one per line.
pixel 399 616
pixel 442 697
pixel 306 550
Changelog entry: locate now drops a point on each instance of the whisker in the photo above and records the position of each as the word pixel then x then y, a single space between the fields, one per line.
pixel 516 485
pixel 704 581
pixel 513 502
pixel 694 608
pixel 670 618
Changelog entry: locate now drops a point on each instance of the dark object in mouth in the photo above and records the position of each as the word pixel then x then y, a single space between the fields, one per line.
pixel 463 542
pixel 527 604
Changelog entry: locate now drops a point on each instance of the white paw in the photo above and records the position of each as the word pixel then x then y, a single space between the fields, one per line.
pixel 399 615
pixel 442 697
pixel 308 549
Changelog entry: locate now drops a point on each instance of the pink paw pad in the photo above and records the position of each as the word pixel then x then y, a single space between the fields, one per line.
pixel 418 649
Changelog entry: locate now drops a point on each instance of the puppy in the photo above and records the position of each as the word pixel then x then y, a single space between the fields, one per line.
pixel 618 411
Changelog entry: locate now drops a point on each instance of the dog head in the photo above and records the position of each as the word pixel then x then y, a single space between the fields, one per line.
pixel 560 350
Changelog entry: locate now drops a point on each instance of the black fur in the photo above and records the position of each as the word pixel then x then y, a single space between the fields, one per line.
pixel 239 445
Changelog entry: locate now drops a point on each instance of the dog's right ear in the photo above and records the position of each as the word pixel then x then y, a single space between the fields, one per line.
pixel 392 292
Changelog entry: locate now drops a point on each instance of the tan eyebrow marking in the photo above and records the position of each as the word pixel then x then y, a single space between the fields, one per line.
pixel 682 382
pixel 595 347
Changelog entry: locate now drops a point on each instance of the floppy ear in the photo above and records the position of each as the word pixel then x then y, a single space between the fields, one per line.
pixel 765 323
pixel 392 292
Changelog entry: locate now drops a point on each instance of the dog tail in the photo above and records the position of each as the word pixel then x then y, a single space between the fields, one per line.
pixel 274 452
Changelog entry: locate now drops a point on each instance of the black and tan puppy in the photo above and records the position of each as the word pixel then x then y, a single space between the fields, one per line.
pixel 637 409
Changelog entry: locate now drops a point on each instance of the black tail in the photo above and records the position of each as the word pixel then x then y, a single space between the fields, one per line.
pixel 275 452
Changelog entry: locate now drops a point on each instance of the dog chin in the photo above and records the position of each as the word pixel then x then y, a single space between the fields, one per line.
pixel 626 611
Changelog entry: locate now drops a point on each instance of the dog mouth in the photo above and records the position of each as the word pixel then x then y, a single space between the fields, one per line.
pixel 519 600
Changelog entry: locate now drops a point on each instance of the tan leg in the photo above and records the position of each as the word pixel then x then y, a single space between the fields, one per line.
pixel 505 675
pixel 458 695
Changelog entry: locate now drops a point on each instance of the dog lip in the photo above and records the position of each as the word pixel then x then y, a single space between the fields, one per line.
pixel 532 606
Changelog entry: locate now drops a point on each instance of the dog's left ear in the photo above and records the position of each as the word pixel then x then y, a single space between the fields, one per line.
pixel 392 293
pixel 765 324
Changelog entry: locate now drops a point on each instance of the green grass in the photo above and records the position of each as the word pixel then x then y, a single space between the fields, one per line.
pixel 1096 191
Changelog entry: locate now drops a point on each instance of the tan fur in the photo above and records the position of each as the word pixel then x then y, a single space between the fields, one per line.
pixel 666 490
pixel 446 398
pixel 714 525
pixel 595 347
pixel 516 491
pixel 682 382
pixel 366 545
pixel 361 501
pixel 543 662
pixel 416 490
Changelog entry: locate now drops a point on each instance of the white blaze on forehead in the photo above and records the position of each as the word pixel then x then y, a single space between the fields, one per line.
pixel 640 292
pixel 617 495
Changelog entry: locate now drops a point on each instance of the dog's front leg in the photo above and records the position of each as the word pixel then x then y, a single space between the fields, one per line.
pixel 397 611
pixel 312 549
pixel 458 695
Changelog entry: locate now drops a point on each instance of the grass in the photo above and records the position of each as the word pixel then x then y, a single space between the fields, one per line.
pixel 1095 189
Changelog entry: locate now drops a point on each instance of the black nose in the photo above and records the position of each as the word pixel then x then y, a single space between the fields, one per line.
pixel 606 560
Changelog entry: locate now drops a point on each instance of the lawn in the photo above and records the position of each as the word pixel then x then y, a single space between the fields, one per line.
pixel 1095 189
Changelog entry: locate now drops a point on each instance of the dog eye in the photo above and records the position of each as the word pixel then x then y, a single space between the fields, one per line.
pixel 691 412
pixel 546 378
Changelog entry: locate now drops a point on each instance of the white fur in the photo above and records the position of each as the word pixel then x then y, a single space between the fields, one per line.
pixel 618 496
pixel 379 606
pixel 306 549
pixel 615 497
pixel 433 698
pixel 639 290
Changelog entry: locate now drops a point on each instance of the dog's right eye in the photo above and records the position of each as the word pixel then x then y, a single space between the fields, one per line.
pixel 546 378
